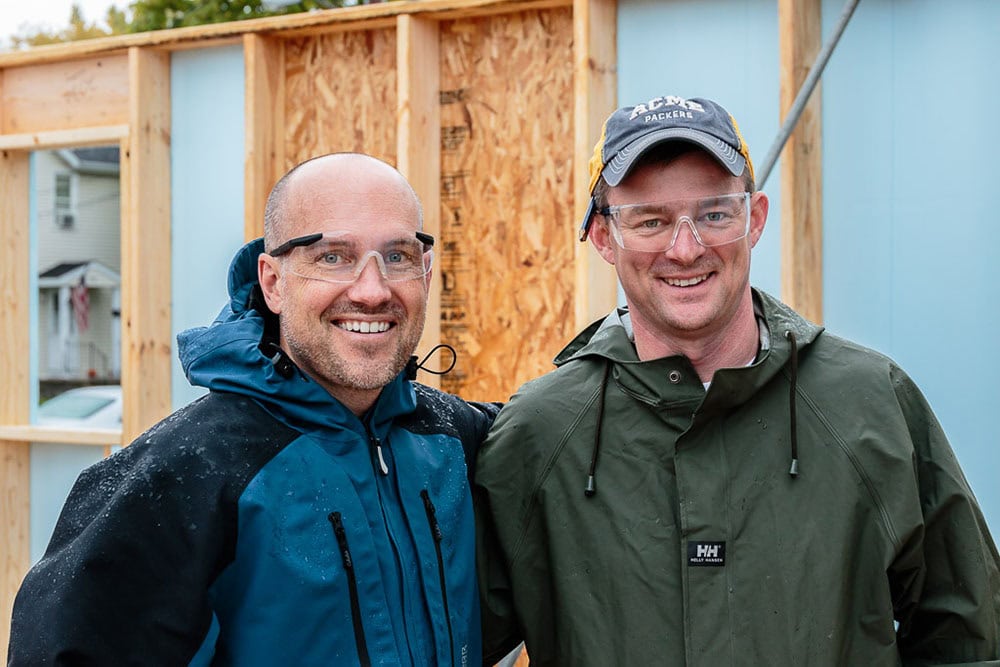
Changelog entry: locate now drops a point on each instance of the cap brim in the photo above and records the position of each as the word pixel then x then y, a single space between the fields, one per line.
pixel 621 164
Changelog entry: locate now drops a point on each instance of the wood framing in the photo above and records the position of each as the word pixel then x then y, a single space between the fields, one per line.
pixel 264 63
pixel 65 95
pixel 355 18
pixel 595 88
pixel 15 274
pixel 145 239
pixel 95 436
pixel 799 23
pixel 489 107
pixel 15 405
pixel 418 75
pixel 79 137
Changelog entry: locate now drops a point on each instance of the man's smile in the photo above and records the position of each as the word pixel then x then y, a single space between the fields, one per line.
pixel 362 326
pixel 687 282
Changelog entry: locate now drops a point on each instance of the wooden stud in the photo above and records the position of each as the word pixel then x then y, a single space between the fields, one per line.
pixel 76 138
pixel 91 436
pixel 418 141
pixel 264 59
pixel 355 19
pixel 15 373
pixel 145 198
pixel 799 24
pixel 382 23
pixel 65 95
pixel 595 82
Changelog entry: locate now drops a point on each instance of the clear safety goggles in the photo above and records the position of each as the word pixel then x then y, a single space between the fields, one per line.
pixel 713 221
pixel 340 257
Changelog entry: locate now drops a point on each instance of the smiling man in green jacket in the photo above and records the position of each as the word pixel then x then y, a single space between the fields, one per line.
pixel 709 479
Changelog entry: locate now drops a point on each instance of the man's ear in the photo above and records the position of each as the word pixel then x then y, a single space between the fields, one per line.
pixel 600 237
pixel 271 284
pixel 759 205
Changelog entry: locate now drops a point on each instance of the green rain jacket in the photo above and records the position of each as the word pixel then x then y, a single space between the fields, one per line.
pixel 698 547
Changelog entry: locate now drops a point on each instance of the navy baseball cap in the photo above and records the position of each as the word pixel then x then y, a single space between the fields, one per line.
pixel 631 131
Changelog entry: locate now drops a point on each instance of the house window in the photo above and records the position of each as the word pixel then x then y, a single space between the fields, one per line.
pixel 65 216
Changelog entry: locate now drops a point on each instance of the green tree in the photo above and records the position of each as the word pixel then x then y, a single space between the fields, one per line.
pixel 160 14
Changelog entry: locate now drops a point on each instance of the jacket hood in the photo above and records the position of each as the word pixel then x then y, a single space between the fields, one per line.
pixel 238 353
pixel 783 333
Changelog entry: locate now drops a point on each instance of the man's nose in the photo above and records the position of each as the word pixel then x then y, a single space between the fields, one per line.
pixel 370 286
pixel 686 247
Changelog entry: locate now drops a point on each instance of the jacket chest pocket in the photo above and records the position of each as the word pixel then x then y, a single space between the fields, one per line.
pixel 337 523
pixel 438 536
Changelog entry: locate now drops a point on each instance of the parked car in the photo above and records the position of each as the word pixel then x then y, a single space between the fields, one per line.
pixel 56 466
pixel 97 406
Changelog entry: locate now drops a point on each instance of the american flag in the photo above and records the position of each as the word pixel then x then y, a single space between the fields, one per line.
pixel 81 304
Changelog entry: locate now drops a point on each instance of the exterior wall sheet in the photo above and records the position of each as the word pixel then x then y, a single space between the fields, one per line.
pixel 906 110
pixel 506 198
pixel 206 189
pixel 340 95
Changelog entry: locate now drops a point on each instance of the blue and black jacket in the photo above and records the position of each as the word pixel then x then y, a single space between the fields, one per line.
pixel 266 524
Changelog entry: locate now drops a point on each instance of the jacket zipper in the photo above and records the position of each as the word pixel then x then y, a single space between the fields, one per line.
pixel 352 585
pixel 438 536
pixel 377 446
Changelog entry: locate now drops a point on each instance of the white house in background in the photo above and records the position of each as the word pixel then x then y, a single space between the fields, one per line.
pixel 79 281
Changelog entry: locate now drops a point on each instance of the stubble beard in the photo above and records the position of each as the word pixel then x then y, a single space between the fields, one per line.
pixel 370 368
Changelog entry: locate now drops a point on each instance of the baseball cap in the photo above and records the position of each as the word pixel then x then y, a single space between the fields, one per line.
pixel 631 131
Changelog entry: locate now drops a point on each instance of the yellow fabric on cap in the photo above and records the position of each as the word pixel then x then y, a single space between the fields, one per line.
pixel 744 149
pixel 596 163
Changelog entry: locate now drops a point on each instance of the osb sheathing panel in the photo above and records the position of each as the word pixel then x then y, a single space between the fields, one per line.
pixel 65 95
pixel 506 197
pixel 340 95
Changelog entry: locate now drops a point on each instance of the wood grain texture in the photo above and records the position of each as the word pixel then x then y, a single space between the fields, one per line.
pixel 146 286
pixel 596 91
pixel 418 137
pixel 15 374
pixel 65 95
pixel 799 23
pixel 264 60
pixel 75 138
pixel 90 436
pixel 340 95
pixel 508 274
pixel 356 19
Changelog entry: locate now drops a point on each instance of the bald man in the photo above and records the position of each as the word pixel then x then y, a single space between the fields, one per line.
pixel 313 508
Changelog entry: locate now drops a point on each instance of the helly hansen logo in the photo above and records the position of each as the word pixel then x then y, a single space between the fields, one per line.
pixel 706 554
